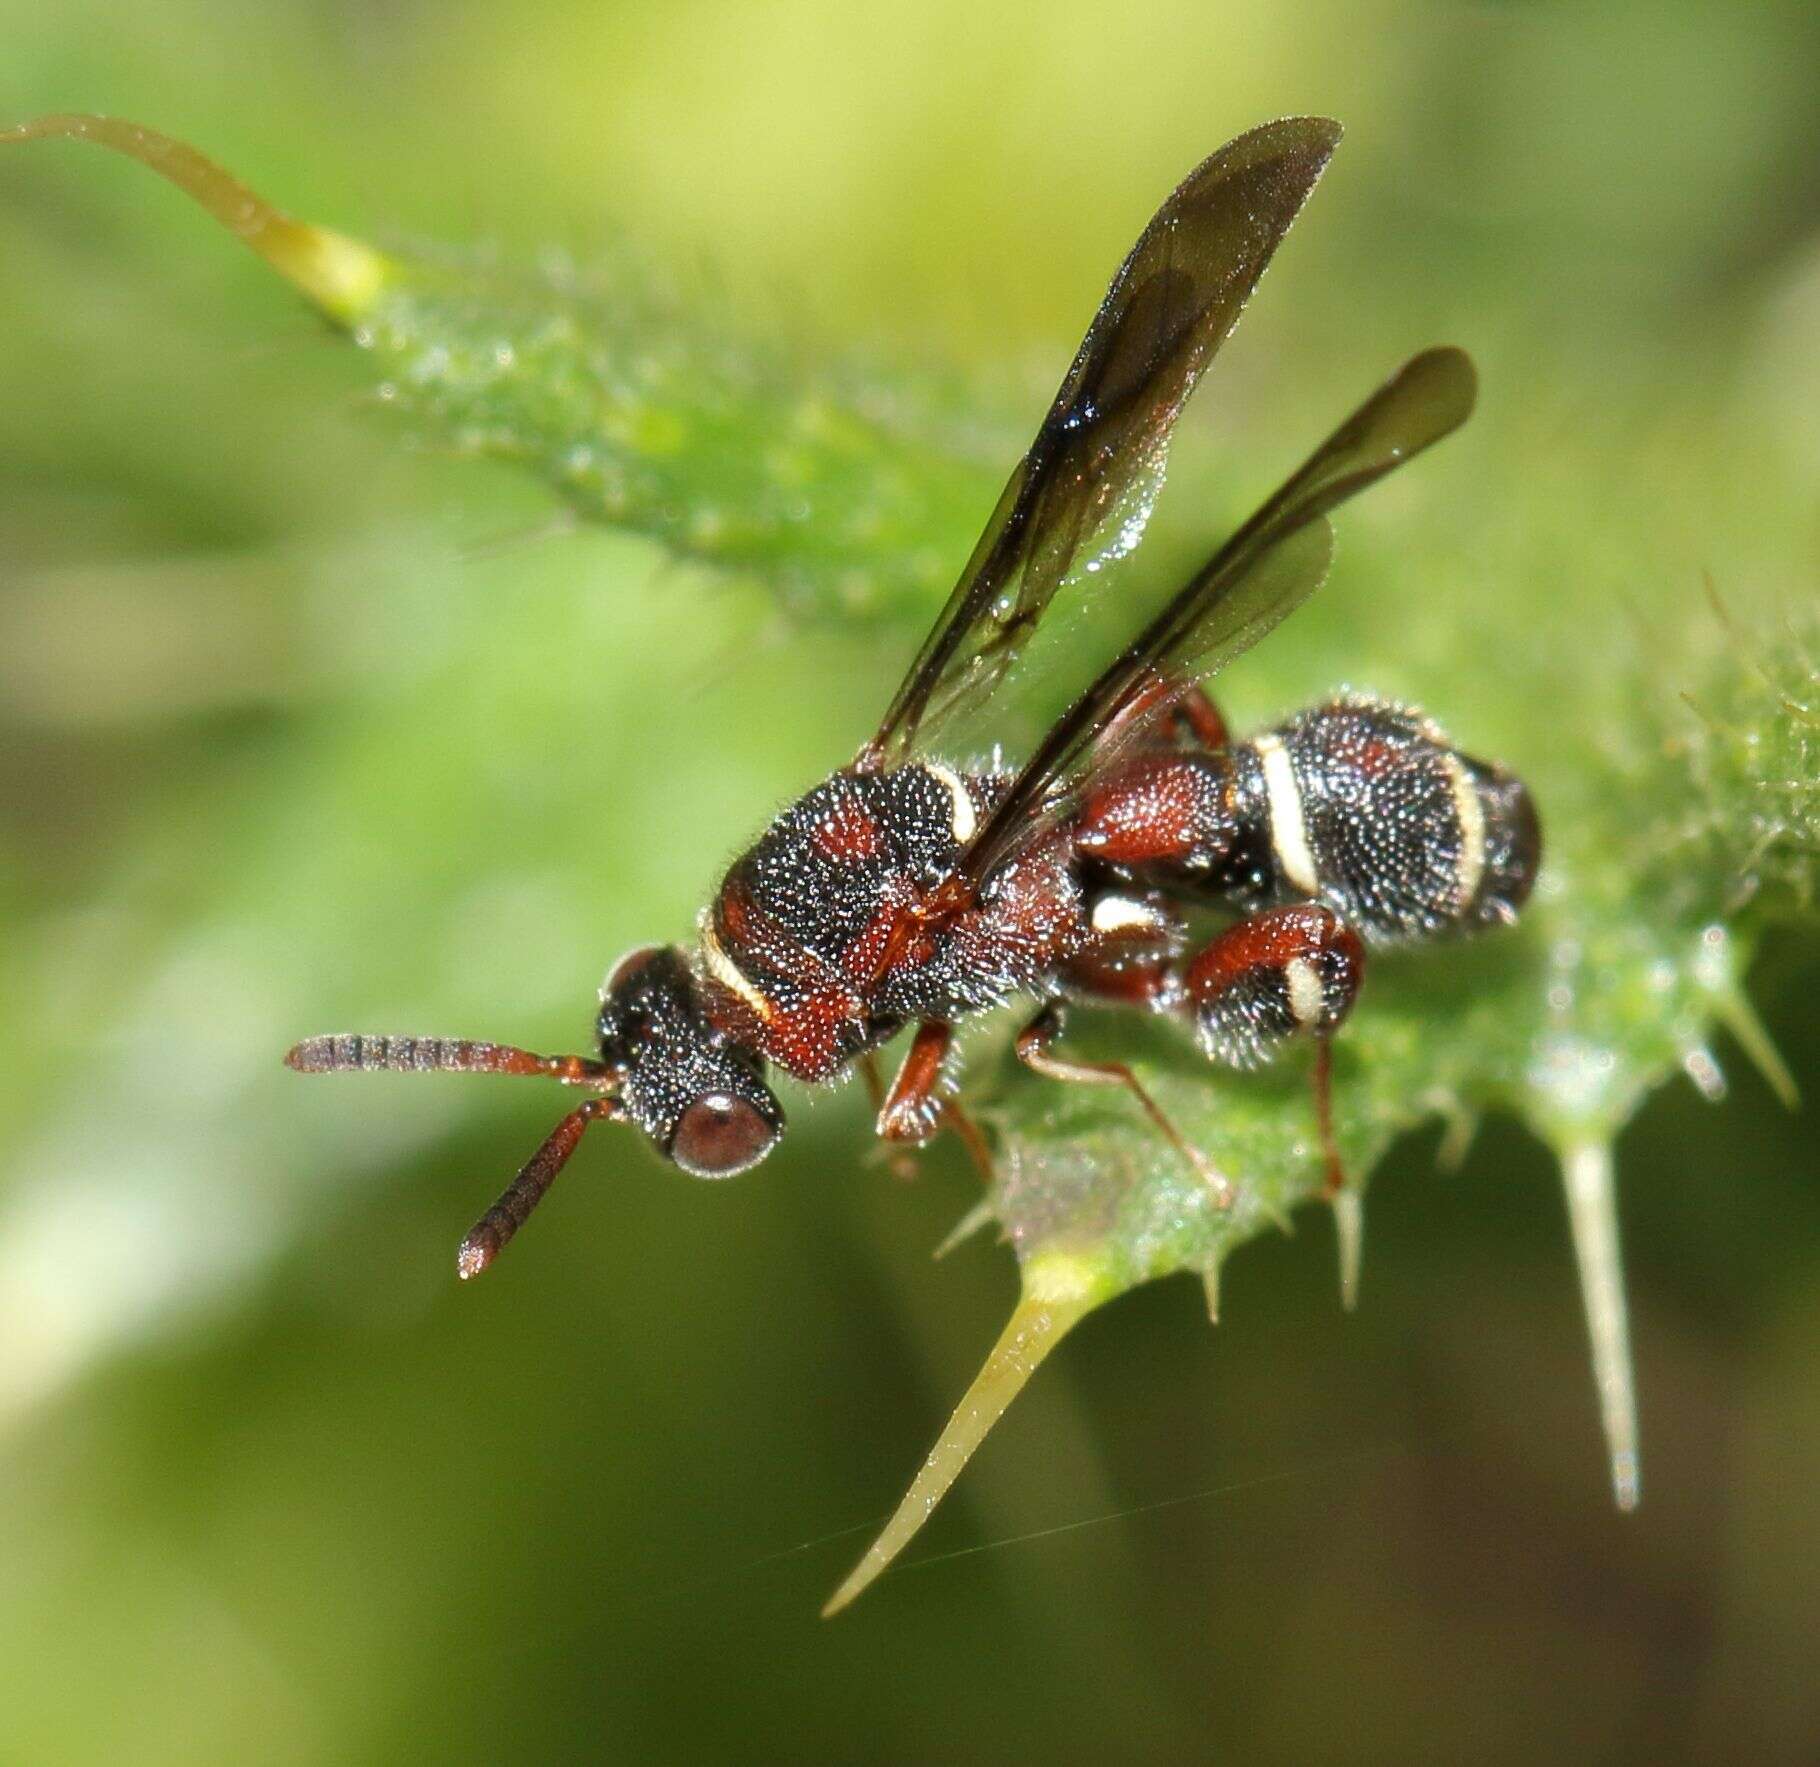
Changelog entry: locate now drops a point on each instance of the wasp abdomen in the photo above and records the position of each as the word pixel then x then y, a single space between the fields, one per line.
pixel 1373 812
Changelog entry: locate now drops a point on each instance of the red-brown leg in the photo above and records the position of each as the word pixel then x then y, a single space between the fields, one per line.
pixel 1113 975
pixel 1152 987
pixel 1033 1051
pixel 1194 715
pixel 912 1111
pixel 899 1161
pixel 1180 712
pixel 951 1114
pixel 874 1080
pixel 1323 1114
pixel 970 1136
pixel 1285 973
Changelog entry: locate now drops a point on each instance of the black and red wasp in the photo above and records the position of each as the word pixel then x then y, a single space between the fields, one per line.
pixel 912 888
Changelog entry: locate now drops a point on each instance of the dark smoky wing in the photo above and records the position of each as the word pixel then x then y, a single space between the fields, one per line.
pixel 1083 491
pixel 1266 570
pixel 1132 696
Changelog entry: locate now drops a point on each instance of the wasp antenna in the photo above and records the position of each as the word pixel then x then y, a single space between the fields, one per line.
pixel 348 1052
pixel 491 1233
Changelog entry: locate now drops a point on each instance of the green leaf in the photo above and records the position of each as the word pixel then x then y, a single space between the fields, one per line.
pixel 1545 599
pixel 848 494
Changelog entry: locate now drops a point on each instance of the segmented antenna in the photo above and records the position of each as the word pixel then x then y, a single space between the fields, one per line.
pixel 494 1229
pixel 348 1052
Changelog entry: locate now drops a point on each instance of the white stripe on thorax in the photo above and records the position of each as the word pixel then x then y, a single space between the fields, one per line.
pixel 728 973
pixel 962 817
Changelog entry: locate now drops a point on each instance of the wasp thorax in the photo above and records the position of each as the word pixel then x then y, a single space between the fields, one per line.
pixel 700 1096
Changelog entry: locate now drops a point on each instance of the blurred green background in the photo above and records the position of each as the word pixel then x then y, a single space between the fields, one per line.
pixel 300 729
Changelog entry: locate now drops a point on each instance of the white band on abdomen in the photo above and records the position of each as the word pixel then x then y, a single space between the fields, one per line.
pixel 1288 837
pixel 1469 867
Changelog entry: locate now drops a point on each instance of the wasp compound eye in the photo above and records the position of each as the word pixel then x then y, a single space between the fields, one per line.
pixel 720 1135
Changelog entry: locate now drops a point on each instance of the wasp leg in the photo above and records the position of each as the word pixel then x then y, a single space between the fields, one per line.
pixel 913 1109
pixel 971 1136
pixel 1323 1115
pixel 1134 958
pixel 899 1161
pixel 1196 718
pixel 874 1080
pixel 1182 714
pixel 1285 973
pixel 1034 1052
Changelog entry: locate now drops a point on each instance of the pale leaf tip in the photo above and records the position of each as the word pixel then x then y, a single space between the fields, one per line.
pixel 1460 1126
pixel 1349 1233
pixel 1586 1167
pixel 338 275
pixel 1060 1289
pixel 1734 1011
pixel 977 1218
pixel 1626 1481
pixel 1210 1281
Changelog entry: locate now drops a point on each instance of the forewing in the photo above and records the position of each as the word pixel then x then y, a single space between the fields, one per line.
pixel 1267 569
pixel 1083 490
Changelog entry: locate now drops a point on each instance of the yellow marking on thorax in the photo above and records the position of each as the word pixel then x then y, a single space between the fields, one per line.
pixel 962 818
pixel 728 973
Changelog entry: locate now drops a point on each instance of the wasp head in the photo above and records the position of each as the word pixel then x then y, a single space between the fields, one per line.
pixel 699 1095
